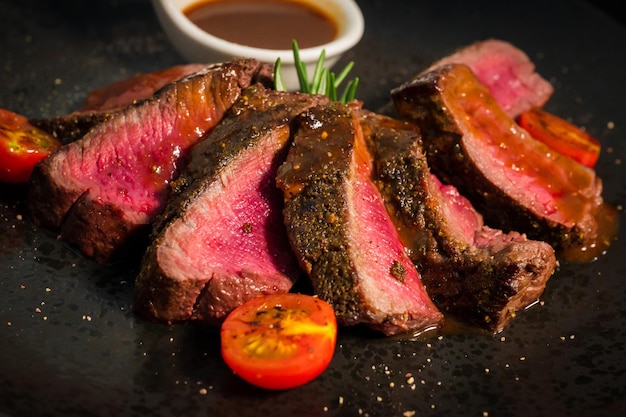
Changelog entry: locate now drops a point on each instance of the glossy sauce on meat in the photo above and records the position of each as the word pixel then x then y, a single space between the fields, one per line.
pixel 270 24
pixel 516 182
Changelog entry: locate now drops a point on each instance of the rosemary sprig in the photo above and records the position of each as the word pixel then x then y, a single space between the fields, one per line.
pixel 323 81
pixel 279 83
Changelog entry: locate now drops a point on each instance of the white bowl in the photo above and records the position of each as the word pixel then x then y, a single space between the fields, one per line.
pixel 196 45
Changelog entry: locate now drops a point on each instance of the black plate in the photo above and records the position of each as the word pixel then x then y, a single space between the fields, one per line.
pixel 71 346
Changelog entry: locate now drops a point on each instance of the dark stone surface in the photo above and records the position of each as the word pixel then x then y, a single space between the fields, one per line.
pixel 71 346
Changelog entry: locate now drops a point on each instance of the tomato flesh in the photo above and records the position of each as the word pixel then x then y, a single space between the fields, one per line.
pixel 22 145
pixel 561 136
pixel 279 341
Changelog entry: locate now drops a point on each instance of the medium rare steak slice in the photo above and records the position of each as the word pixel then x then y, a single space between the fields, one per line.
pixel 341 233
pixel 515 182
pixel 476 275
pixel 221 239
pixel 103 189
pixel 102 102
pixel 506 71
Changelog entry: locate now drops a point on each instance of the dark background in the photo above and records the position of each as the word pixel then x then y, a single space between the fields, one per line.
pixel 612 8
pixel 70 345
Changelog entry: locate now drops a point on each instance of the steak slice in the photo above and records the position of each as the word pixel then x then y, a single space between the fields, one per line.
pixel 101 191
pixel 221 239
pixel 514 181
pixel 341 233
pixel 476 275
pixel 121 93
pixel 102 102
pixel 506 71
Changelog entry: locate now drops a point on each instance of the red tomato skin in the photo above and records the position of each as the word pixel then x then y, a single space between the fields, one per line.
pixel 313 352
pixel 22 145
pixel 15 168
pixel 561 136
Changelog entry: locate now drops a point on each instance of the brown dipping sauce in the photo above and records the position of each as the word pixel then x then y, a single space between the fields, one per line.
pixel 270 24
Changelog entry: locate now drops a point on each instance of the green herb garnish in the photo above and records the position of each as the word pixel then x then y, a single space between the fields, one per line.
pixel 323 81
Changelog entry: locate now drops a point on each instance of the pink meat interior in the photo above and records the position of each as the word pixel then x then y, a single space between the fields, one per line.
pixel 139 151
pixel 523 167
pixel 383 253
pixel 235 228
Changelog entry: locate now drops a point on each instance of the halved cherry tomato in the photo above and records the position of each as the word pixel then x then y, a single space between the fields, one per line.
pixel 279 341
pixel 561 136
pixel 22 145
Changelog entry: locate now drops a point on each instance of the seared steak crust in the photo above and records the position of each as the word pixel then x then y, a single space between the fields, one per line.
pixel 514 181
pixel 73 126
pixel 340 231
pixel 476 275
pixel 221 239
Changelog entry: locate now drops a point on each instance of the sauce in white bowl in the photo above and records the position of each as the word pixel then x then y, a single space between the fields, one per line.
pixel 267 24
pixel 195 43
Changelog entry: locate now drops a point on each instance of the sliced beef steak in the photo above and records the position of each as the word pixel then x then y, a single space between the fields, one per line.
pixel 506 71
pixel 101 190
pixel 340 231
pixel 514 181
pixel 221 239
pixel 476 275
pixel 121 93
pixel 102 102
